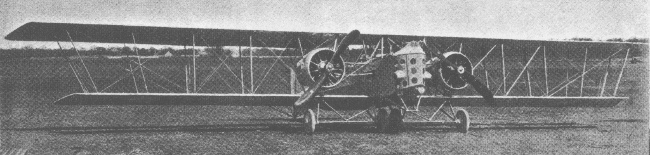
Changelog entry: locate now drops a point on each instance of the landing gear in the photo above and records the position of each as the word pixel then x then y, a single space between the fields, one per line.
pixel 309 121
pixel 382 121
pixel 295 113
pixel 389 120
pixel 462 118
pixel 396 119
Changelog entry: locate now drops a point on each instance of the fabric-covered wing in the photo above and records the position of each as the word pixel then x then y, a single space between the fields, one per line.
pixel 338 101
pixel 525 101
pixel 177 99
pixel 194 99
pixel 38 31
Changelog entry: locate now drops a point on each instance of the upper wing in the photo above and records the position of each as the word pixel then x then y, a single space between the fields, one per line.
pixel 37 31
pixel 338 101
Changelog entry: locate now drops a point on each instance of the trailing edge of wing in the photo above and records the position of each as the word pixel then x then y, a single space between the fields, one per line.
pixel 338 101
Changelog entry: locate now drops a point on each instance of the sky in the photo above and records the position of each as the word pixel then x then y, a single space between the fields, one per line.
pixel 512 19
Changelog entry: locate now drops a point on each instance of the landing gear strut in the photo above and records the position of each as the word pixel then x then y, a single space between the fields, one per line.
pixel 460 118
pixel 387 118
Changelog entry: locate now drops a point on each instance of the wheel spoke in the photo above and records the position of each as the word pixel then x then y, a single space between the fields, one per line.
pixel 319 57
pixel 457 82
pixel 334 77
pixel 313 67
pixel 328 82
pixel 315 75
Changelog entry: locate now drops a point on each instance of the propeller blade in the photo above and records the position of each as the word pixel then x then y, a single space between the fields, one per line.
pixel 311 92
pixel 479 87
pixel 434 51
pixel 347 40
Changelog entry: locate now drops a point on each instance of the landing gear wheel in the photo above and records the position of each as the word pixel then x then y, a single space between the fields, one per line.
pixel 382 120
pixel 396 120
pixel 309 121
pixel 389 120
pixel 462 117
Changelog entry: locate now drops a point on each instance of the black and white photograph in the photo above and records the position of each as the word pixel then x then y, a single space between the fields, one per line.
pixel 149 77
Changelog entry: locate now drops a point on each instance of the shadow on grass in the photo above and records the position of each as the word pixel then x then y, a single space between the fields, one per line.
pixel 291 127
pixel 626 120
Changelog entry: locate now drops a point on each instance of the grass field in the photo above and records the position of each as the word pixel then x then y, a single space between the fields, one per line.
pixel 30 123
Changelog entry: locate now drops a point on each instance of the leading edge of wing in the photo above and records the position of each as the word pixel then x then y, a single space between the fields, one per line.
pixel 338 101
pixel 191 99
pixel 525 101
pixel 103 33
pixel 177 99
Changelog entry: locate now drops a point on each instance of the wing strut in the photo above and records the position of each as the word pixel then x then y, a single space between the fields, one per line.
pixel 82 61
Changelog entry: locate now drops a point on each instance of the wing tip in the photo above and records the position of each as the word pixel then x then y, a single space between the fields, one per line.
pixel 64 100
pixel 14 35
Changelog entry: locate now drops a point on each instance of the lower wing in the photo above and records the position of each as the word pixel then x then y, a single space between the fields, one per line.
pixel 339 101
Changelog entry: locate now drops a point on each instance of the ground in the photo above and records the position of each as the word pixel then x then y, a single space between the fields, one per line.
pixel 49 129
pixel 261 130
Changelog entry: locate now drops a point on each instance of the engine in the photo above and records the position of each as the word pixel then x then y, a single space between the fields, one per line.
pixel 313 65
pixel 411 67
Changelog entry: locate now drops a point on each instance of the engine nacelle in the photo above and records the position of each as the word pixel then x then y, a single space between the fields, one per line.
pixel 313 65
pixel 444 73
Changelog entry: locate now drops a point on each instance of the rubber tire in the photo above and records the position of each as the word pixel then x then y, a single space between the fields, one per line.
pixel 382 120
pixel 396 120
pixel 463 117
pixel 309 120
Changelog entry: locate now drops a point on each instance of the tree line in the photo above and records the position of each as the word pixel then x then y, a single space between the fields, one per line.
pixel 631 40
pixel 30 52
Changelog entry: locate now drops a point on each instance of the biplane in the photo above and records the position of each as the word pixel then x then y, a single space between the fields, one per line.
pixel 386 85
